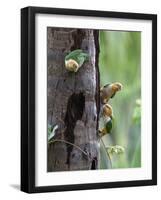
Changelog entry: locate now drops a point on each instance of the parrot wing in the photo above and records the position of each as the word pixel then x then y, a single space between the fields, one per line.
pixel 113 95
pixel 105 86
pixel 73 54
pixel 109 126
pixel 81 58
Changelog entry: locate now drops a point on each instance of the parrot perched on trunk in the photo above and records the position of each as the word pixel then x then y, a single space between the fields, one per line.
pixel 108 91
pixel 107 110
pixel 75 59
pixel 107 114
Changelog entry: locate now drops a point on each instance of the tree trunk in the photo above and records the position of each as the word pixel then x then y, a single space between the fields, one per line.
pixel 73 100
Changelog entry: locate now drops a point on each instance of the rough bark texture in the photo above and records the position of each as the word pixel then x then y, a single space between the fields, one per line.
pixel 73 100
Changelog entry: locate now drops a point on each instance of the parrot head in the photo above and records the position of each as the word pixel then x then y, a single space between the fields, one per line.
pixel 71 65
pixel 116 86
pixel 102 132
pixel 107 111
pixel 75 59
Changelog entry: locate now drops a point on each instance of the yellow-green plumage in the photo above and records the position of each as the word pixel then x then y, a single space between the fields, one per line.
pixel 108 126
pixel 75 59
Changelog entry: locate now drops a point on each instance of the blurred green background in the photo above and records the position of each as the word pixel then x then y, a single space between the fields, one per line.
pixel 119 61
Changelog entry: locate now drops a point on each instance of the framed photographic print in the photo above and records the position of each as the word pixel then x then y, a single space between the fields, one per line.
pixel 88 99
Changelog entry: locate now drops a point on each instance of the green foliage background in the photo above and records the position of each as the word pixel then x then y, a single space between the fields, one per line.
pixel 120 61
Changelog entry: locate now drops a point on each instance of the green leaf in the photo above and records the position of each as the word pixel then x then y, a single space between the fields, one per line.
pixel 49 128
pixel 115 149
pixel 51 131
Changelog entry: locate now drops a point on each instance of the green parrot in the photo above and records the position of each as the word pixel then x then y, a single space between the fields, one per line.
pixel 75 59
pixel 108 125
pixel 108 91
pixel 107 114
